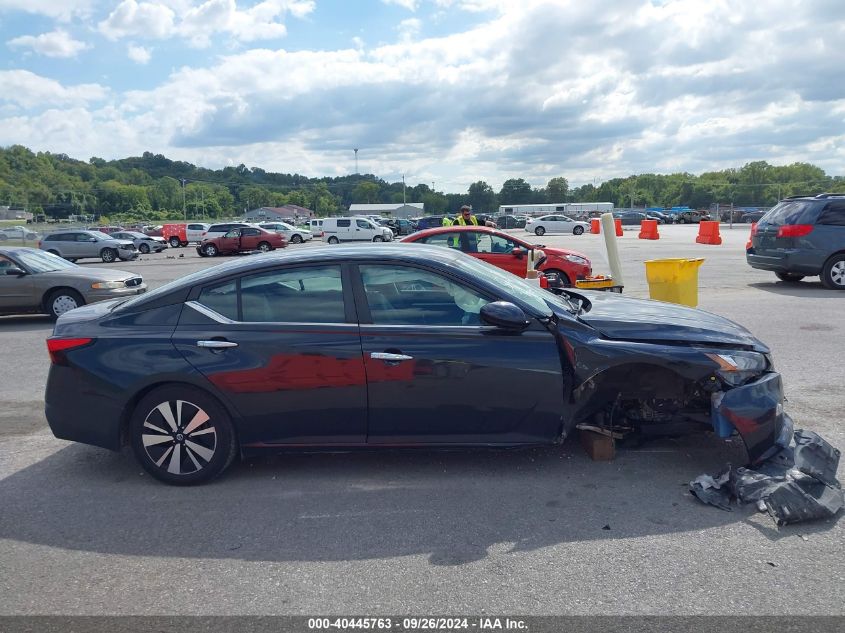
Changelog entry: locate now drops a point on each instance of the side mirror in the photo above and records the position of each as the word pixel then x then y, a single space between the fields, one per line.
pixel 517 252
pixel 17 272
pixel 504 315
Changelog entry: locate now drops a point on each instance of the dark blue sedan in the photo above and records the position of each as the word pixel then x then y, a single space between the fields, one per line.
pixel 393 346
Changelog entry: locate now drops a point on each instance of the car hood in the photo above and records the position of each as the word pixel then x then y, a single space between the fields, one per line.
pixel 93 274
pixel 618 317
pixel 562 252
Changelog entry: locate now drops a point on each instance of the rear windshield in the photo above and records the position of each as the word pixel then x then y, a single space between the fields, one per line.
pixel 789 212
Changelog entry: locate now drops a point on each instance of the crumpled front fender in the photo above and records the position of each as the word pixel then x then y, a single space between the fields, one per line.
pixel 755 410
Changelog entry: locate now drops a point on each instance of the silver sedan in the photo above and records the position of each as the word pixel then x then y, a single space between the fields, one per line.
pixel 144 243
pixel 33 281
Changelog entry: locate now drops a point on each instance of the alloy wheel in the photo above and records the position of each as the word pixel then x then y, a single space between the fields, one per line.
pixel 179 437
pixel 264 247
pixel 837 273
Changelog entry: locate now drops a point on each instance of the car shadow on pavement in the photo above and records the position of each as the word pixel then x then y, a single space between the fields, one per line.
pixel 451 506
pixel 813 289
pixel 25 323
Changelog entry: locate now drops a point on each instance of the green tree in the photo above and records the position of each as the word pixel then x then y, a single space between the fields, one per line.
pixel 481 196
pixel 557 189
pixel 365 192
pixel 515 191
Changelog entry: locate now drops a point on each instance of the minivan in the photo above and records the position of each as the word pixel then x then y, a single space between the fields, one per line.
pixel 803 236
pixel 354 229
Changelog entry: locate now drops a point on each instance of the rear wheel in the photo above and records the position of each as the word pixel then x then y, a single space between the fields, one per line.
pixel 174 242
pixel 578 230
pixel 181 435
pixel 63 300
pixel 333 240
pixel 539 231
pixel 210 250
pixel 108 255
pixel 789 277
pixel 833 273
pixel 144 248
pixel 265 247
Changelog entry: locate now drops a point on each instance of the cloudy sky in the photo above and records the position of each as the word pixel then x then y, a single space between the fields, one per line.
pixel 444 91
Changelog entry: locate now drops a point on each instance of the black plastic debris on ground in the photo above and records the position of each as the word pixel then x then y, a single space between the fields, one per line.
pixel 797 484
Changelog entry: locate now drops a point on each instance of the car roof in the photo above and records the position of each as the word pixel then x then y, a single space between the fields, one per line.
pixel 456 227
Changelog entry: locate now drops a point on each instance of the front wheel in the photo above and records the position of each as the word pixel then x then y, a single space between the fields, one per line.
pixel 296 239
pixel 174 242
pixel 333 240
pixel 682 221
pixel 210 250
pixel 578 230
pixel 108 255
pixel 789 277
pixel 181 435
pixel 144 248
pixel 833 273
pixel 265 247
pixel 63 300
pixel 378 238
pixel 539 231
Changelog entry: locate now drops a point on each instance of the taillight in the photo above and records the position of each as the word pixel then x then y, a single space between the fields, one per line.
pixel 795 230
pixel 753 229
pixel 58 347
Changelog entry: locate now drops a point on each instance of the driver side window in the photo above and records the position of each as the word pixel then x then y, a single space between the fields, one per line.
pixel 403 295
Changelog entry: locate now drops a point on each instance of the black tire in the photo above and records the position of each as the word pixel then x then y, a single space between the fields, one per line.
pixel 333 240
pixel 378 238
pixel 296 239
pixel 265 247
pixel 144 248
pixel 210 250
pixel 108 255
pixel 833 272
pixel 539 231
pixel 62 300
pixel 157 433
pixel 174 242
pixel 578 230
pixel 789 277
pixel 564 278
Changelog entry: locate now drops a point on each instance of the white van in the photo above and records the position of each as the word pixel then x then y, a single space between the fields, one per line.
pixel 354 229
pixel 316 226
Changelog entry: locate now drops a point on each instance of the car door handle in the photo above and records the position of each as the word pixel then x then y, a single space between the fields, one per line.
pixel 216 344
pixel 390 358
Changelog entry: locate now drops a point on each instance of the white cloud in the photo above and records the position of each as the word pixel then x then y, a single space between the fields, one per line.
pixel 138 54
pixel 409 29
pixel 59 9
pixel 199 22
pixel 57 43
pixel 411 5
pixel 29 90
pixel 145 19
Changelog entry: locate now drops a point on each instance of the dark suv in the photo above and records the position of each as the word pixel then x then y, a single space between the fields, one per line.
pixel 802 236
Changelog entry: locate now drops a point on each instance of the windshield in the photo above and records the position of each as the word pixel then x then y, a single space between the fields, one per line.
pixel 786 213
pixel 135 234
pixel 42 262
pixel 100 235
pixel 510 283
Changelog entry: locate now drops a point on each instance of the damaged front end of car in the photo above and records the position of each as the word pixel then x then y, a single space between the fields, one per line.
pixel 670 386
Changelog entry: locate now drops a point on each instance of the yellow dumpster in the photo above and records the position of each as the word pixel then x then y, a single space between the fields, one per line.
pixel 673 280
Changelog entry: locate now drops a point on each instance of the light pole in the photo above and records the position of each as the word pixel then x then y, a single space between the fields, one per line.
pixel 184 208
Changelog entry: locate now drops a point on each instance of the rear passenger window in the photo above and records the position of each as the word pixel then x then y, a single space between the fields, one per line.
pixel 344 223
pixel 833 214
pixel 312 294
pixel 222 298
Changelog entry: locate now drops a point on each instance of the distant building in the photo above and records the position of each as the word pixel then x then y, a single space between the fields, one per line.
pixel 396 210
pixel 285 213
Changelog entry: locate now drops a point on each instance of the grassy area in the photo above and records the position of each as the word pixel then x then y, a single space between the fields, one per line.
pixel 30 243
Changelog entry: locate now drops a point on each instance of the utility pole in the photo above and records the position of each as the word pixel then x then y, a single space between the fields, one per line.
pixel 403 189
pixel 184 207
pixel 356 160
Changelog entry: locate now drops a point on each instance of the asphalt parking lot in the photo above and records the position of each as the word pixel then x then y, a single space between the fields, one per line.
pixel 541 531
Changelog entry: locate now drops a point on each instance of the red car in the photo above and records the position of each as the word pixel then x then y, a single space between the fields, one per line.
pixel 506 251
pixel 242 240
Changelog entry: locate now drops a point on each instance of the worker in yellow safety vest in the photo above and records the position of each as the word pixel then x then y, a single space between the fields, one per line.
pixel 466 218
pixel 446 221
